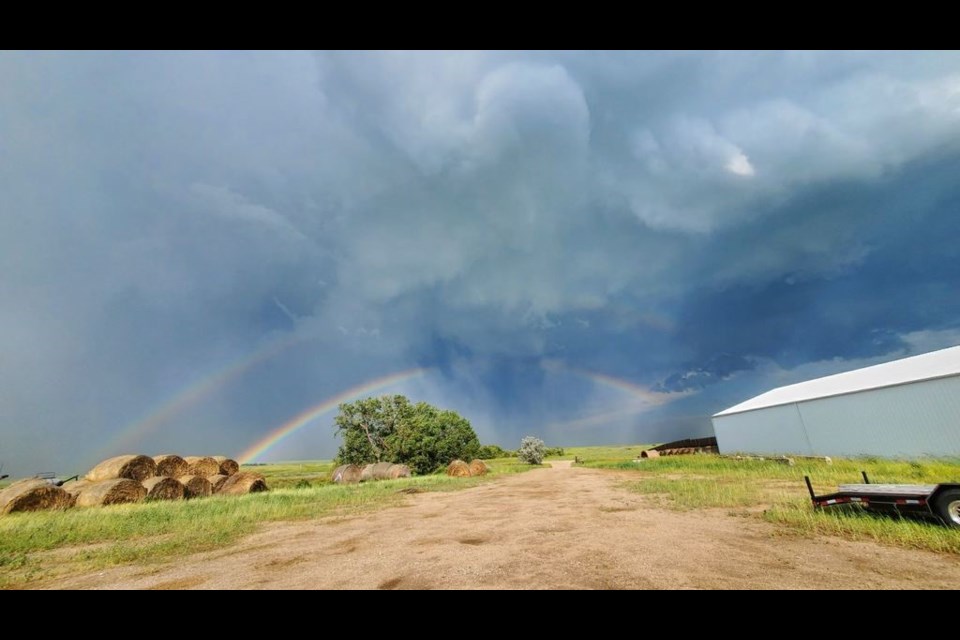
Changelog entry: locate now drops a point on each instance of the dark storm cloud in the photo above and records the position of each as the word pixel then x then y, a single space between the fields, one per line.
pixel 700 225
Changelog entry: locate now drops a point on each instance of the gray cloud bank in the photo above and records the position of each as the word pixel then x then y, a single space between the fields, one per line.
pixel 697 224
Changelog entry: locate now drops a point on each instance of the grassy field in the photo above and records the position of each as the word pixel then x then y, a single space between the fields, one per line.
pixel 604 454
pixel 777 493
pixel 44 545
pixel 283 475
pixel 39 547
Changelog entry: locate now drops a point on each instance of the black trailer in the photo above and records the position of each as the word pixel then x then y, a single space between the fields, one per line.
pixel 941 501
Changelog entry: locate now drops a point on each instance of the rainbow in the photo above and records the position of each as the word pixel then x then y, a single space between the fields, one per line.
pixel 647 398
pixel 638 391
pixel 598 418
pixel 192 394
pixel 308 415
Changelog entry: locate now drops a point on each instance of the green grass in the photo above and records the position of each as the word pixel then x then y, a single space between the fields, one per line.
pixel 777 493
pixel 44 545
pixel 289 474
pixel 602 454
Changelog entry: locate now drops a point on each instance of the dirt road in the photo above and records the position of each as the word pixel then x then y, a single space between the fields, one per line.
pixel 546 529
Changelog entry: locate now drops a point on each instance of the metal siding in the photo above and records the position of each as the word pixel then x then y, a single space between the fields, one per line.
pixel 772 430
pixel 919 419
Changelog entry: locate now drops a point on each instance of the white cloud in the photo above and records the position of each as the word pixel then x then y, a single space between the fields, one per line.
pixel 740 165
pixel 930 340
pixel 224 202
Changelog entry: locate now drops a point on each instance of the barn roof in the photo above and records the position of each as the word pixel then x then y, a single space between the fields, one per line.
pixel 936 364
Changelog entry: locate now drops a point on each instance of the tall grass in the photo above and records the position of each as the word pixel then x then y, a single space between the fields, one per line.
pixel 777 493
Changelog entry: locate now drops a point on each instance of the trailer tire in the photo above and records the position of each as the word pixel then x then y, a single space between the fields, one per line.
pixel 947 507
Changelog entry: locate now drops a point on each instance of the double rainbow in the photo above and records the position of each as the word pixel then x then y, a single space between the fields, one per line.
pixel 647 398
pixel 127 438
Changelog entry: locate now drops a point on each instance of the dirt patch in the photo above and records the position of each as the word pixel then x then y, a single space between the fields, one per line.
pixel 178 584
pixel 550 528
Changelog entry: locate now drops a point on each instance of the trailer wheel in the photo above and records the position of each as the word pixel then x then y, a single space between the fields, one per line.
pixel 947 507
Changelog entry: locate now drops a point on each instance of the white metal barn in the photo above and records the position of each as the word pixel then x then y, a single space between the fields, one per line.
pixel 904 408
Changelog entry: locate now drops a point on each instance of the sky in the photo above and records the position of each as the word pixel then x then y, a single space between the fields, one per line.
pixel 595 248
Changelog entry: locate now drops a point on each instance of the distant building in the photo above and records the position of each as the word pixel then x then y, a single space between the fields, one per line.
pixel 904 408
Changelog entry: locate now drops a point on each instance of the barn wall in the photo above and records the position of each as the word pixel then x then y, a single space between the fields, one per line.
pixel 770 430
pixel 911 420
pixel 918 419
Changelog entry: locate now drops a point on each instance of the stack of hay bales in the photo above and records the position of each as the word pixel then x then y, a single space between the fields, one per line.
pixel 132 478
pixel 460 469
pixel 203 476
pixel 164 477
pixel 33 495
pixel 117 480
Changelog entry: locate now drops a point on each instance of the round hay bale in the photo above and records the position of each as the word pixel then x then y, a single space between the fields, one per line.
pixel 652 453
pixel 458 469
pixel 398 471
pixel 228 467
pixel 381 470
pixel 163 488
pixel 171 466
pixel 367 473
pixel 478 468
pixel 202 466
pixel 106 492
pixel 243 483
pixel 347 474
pixel 129 466
pixel 33 495
pixel 217 481
pixel 196 486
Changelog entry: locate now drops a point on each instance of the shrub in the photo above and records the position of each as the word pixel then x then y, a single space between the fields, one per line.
pixel 553 451
pixel 490 451
pixel 531 450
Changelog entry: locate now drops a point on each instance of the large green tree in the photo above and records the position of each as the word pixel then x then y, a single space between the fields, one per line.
pixel 367 426
pixel 390 429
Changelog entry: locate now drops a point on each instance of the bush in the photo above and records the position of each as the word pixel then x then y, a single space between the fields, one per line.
pixel 490 451
pixel 390 429
pixel 432 438
pixel 553 451
pixel 531 450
